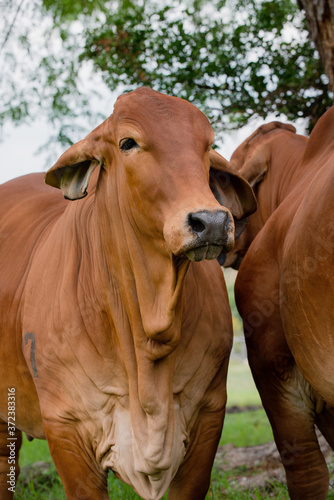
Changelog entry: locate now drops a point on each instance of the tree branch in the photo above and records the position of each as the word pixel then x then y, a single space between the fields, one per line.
pixel 11 26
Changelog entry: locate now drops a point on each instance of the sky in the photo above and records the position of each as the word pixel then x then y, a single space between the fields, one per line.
pixel 20 145
pixel 18 149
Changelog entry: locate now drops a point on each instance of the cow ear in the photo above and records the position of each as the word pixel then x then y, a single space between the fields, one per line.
pixel 252 158
pixel 72 172
pixel 231 190
pixel 255 168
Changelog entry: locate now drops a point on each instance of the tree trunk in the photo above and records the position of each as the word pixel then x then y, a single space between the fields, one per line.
pixel 320 19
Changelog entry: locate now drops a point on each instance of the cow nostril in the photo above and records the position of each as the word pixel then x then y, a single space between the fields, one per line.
pixel 196 224
pixel 211 227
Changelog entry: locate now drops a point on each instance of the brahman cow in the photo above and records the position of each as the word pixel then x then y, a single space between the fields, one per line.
pixel 284 292
pixel 114 345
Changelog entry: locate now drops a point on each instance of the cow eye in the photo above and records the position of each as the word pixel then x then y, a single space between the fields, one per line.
pixel 127 144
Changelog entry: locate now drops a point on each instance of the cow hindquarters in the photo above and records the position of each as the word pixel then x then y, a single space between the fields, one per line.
pixel 9 455
pixel 289 401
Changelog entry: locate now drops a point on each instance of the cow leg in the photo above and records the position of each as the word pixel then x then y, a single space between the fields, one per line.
pixel 78 471
pixel 290 405
pixel 9 463
pixel 192 480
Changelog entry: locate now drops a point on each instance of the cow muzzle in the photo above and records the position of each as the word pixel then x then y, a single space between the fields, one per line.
pixel 200 235
pixel 211 230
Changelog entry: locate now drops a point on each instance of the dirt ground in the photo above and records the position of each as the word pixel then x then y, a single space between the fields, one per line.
pixel 257 466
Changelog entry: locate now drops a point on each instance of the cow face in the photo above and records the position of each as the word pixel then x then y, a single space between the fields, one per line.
pixel 161 146
pixel 164 196
pixel 166 160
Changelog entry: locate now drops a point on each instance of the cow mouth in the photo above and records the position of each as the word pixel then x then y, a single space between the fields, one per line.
pixel 204 252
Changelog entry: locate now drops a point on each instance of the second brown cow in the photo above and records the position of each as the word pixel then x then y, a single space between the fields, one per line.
pixel 285 292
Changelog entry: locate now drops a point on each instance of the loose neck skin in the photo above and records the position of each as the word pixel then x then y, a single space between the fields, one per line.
pixel 127 384
pixel 149 359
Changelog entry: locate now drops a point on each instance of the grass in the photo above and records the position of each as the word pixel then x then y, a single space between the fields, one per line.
pixel 241 389
pixel 35 451
pixel 246 429
pixel 40 487
pixel 221 488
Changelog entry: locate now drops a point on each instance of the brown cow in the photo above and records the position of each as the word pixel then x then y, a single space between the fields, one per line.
pixel 125 341
pixel 284 292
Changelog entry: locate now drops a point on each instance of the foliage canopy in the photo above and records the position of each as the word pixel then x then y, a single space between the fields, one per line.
pixel 230 58
pixel 234 59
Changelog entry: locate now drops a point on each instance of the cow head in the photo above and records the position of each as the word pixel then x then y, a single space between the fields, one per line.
pixel 159 193
pixel 261 159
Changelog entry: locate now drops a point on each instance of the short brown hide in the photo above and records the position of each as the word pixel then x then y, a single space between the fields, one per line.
pixel 114 320
pixel 284 291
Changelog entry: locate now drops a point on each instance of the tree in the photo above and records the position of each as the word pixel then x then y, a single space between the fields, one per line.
pixel 234 59
pixel 42 75
pixel 320 21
